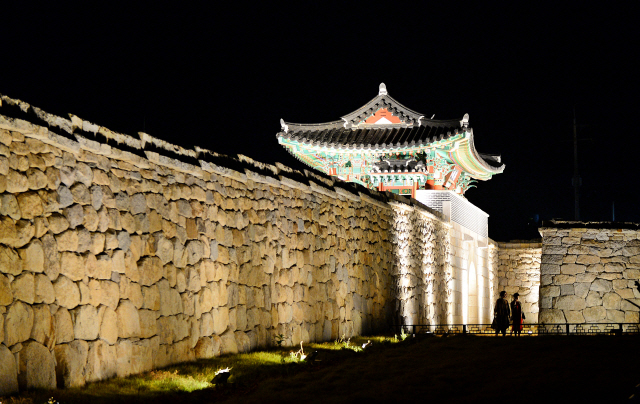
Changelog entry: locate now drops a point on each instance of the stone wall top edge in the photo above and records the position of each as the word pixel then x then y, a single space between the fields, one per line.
pixel 516 244
pixel 75 134
pixel 567 224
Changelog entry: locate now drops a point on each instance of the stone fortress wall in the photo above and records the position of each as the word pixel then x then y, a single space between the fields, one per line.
pixel 589 272
pixel 519 272
pixel 119 254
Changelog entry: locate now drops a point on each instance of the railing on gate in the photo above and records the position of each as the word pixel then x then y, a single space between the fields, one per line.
pixel 528 329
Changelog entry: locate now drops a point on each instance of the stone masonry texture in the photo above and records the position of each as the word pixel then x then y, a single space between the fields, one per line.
pixel 119 255
pixel 519 272
pixel 589 272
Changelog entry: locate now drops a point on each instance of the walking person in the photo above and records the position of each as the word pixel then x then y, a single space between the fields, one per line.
pixel 517 315
pixel 501 314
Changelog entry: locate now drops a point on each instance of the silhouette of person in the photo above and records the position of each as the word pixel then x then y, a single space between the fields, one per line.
pixel 501 313
pixel 517 315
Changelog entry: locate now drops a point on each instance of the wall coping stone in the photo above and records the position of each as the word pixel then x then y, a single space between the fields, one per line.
pixel 75 134
pixel 515 245
pixel 568 224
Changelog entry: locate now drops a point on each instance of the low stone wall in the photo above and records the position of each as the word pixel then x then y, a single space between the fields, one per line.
pixel 119 254
pixel 519 272
pixel 589 272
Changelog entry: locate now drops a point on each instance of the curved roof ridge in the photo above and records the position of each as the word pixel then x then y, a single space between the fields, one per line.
pixel 315 124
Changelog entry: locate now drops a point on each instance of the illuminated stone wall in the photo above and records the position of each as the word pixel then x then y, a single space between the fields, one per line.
pixel 589 272
pixel 120 254
pixel 473 274
pixel 519 271
pixel 423 273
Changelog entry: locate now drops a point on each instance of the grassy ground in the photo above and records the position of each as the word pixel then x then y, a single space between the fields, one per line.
pixel 454 369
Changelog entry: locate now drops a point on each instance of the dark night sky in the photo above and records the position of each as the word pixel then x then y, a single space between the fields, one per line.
pixel 222 76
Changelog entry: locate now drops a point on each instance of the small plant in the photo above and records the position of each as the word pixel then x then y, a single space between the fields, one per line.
pixel 346 344
pixel 403 335
pixel 279 339
pixel 299 355
pixel 221 376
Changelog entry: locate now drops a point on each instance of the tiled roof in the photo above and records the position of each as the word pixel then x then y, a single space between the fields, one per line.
pixel 352 131
pixel 334 134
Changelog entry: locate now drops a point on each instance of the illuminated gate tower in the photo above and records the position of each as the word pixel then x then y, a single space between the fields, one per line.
pixel 386 146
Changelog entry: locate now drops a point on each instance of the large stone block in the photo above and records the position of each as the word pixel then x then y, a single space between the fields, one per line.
pixel 574 316
pixel 18 323
pixel 586 277
pixel 138 204
pixel 148 323
pixel 564 279
pixel 616 267
pixel 30 205
pixel 44 291
pixel 43 329
pixel 551 316
pixel 6 295
pixel 220 320
pixel 108 325
pixel 570 302
pixel 566 290
pixel 616 316
pixel 67 292
pixel 75 215
pixel 193 252
pixel 17 182
pixel 594 314
pixel 133 357
pixel 86 322
pixel 32 257
pixel 70 363
pixel 67 240
pixel 572 269
pixel 602 285
pixel 151 270
pixel 170 300
pixel 23 288
pixel 72 266
pixel 588 259
pixel 582 289
pixel 8 372
pixel 228 344
pixel 164 250
pixel 192 275
pixel 63 326
pixel 611 301
pixel 37 367
pixel 128 320
pixel 243 342
pixel 208 347
pixel 101 361
pixel 9 259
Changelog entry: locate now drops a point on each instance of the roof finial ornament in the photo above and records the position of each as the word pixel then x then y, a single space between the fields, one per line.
pixel 285 127
pixel 383 89
pixel 465 121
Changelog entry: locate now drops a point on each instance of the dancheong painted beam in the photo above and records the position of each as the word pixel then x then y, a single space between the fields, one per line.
pixel 387 146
